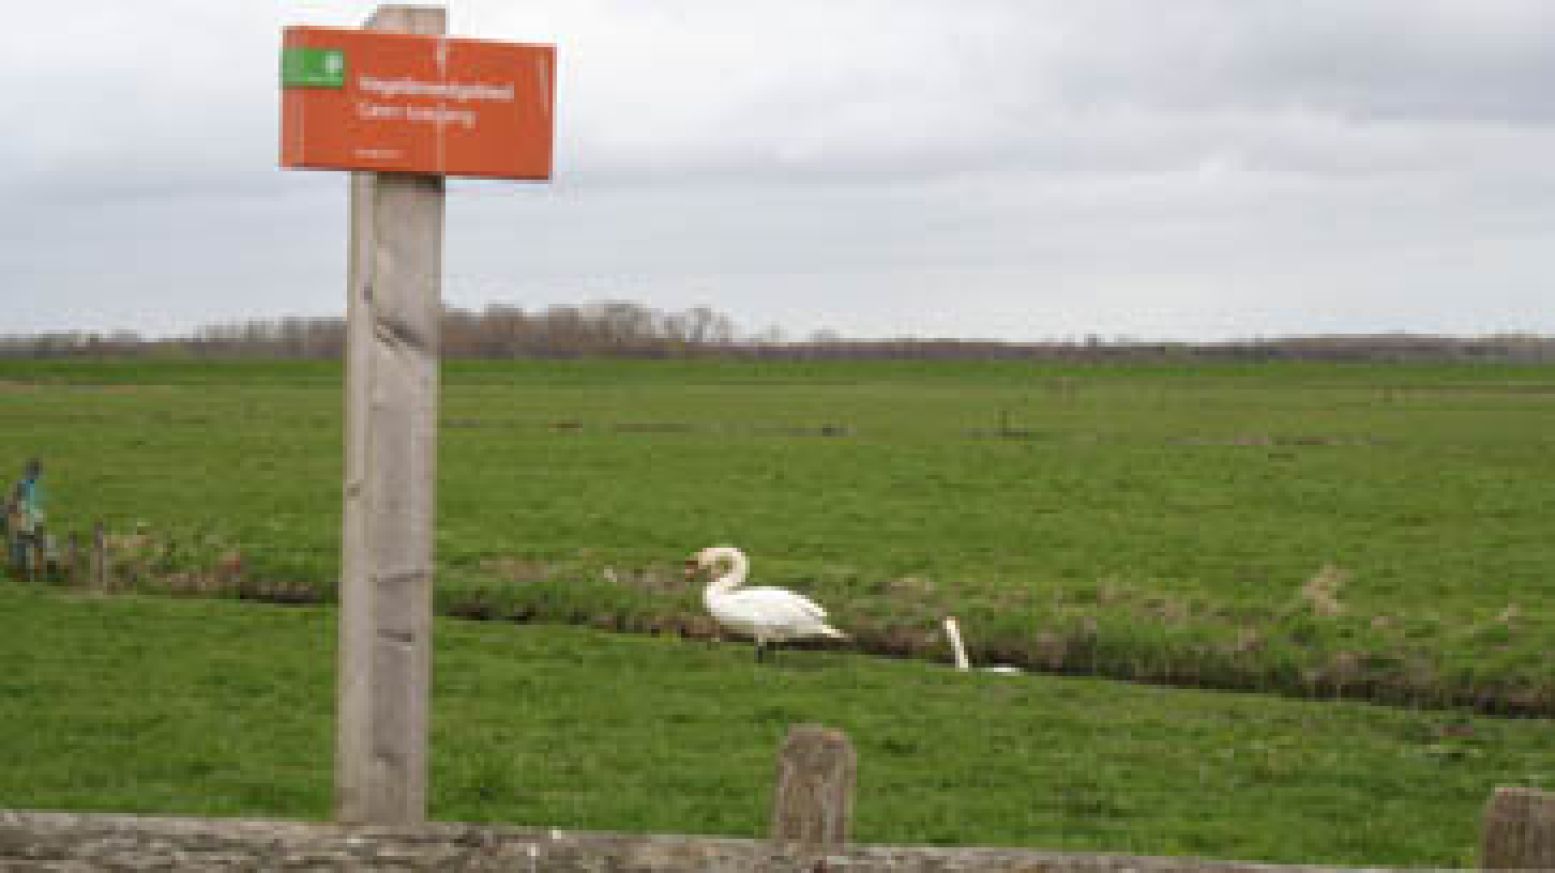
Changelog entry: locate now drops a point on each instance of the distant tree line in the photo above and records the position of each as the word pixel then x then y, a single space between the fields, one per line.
pixel 632 330
pixel 498 331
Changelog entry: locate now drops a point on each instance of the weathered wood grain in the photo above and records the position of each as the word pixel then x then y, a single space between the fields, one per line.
pixel 385 647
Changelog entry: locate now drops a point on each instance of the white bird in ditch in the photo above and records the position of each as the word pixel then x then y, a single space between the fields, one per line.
pixel 767 615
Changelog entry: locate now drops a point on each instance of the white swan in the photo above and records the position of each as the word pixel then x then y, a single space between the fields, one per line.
pixel 767 615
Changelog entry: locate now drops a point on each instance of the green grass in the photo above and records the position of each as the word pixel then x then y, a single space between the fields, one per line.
pixel 1145 522
pixel 198 706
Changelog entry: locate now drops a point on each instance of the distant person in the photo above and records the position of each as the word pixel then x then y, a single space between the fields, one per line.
pixel 30 489
pixel 24 514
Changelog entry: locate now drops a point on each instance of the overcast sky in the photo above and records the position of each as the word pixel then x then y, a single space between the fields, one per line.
pixel 1193 169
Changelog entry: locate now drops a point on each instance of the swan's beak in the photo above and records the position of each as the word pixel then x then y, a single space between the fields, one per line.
pixel 692 568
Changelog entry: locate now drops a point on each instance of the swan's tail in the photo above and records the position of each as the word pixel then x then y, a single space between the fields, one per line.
pixel 828 630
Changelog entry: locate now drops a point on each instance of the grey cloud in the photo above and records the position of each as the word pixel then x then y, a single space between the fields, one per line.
pixel 1383 59
pixel 986 168
pixel 1104 86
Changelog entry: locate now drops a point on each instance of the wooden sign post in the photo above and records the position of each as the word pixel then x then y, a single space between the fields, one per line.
pixel 403 107
pixel 384 658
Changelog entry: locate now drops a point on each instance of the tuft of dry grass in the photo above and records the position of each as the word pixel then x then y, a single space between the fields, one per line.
pixel 655 579
pixel 1248 641
pixel 517 570
pixel 1321 592
pixel 1052 650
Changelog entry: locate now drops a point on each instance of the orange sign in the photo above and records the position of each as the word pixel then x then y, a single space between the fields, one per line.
pixel 403 103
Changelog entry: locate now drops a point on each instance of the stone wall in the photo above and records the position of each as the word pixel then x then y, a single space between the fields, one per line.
pixel 54 841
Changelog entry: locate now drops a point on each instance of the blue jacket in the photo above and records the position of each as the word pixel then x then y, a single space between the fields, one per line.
pixel 32 500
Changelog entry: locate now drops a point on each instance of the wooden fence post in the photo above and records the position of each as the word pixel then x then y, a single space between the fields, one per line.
pixel 1519 830
pixel 73 560
pixel 392 321
pixel 812 805
pixel 99 568
pixel 40 555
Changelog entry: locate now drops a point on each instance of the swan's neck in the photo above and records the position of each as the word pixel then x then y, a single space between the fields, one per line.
pixel 731 578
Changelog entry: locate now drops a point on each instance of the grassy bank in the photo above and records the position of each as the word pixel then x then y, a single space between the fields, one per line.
pixel 212 707
pixel 1317 530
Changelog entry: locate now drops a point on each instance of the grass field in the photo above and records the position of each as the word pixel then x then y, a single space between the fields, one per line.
pixel 201 706
pixel 1162 523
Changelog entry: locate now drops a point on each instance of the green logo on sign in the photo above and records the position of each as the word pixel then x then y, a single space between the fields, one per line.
pixel 313 68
